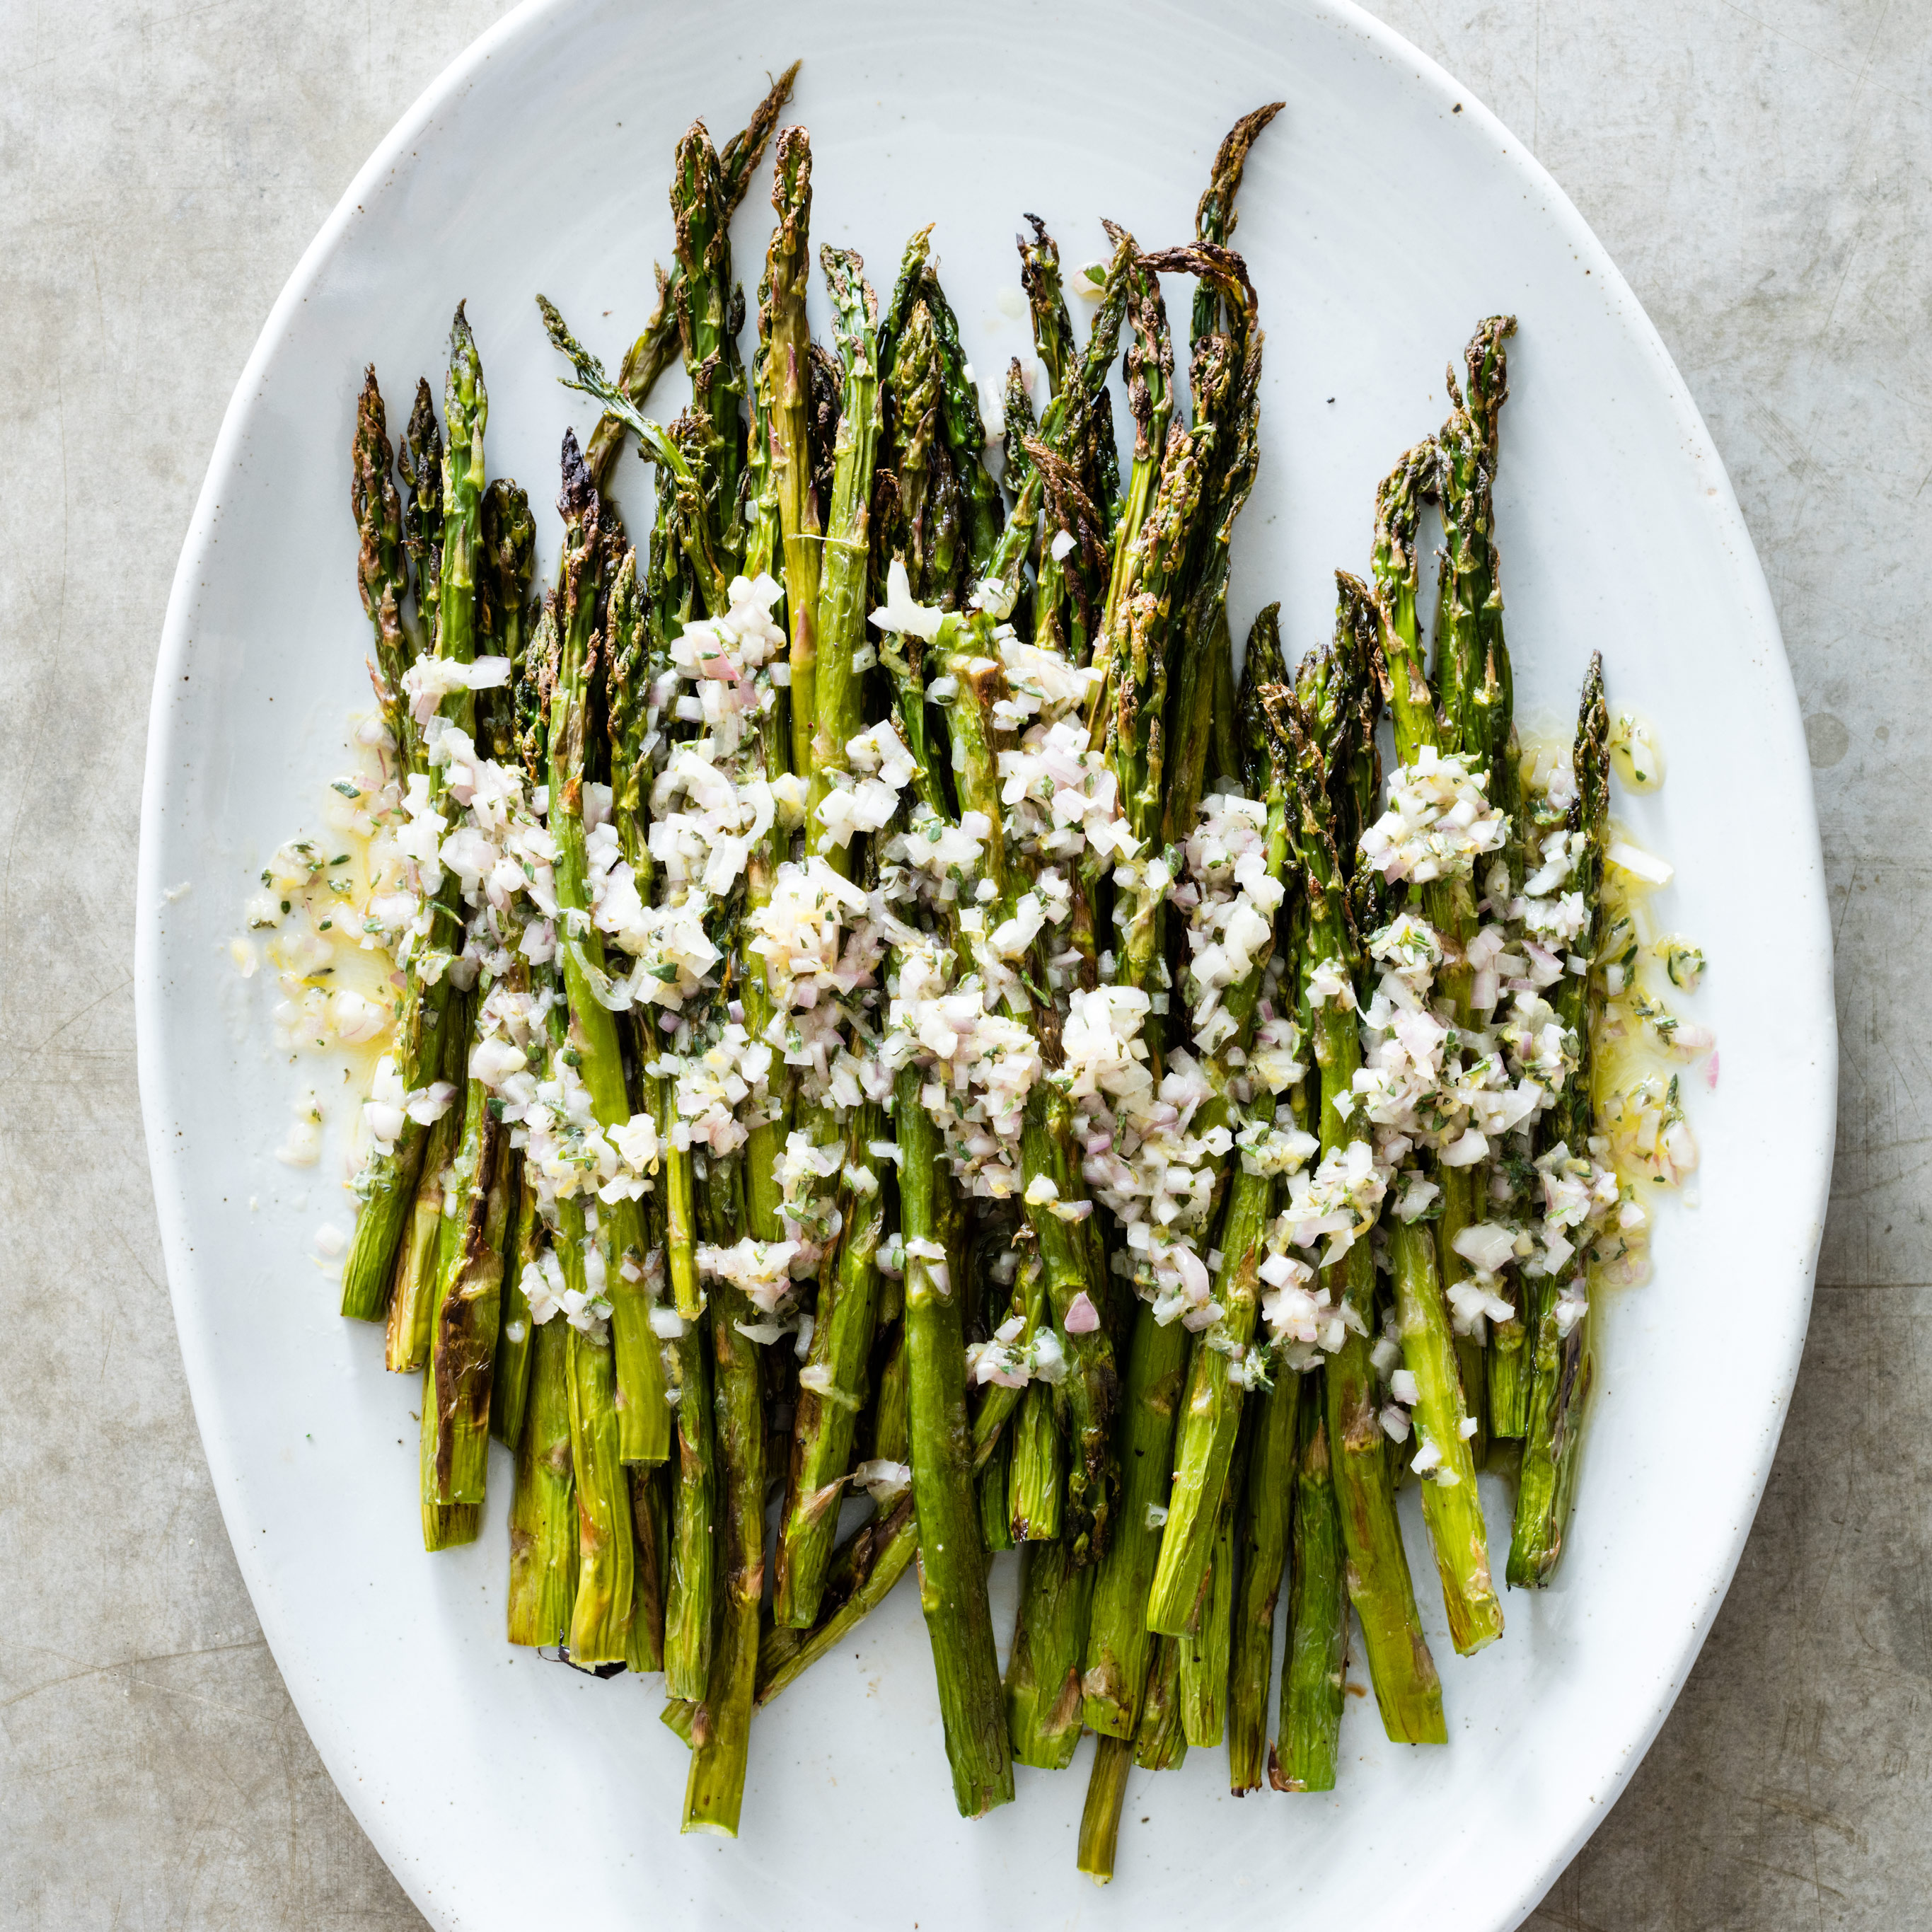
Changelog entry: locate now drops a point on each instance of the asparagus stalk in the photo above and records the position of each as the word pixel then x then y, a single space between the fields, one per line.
pixel 1070 1254
pixel 412 1300
pixel 1139 643
pixel 651 1539
pixel 1407 1687
pixel 1035 1484
pixel 995 1498
pixel 1160 1743
pixel 1493 703
pixel 1043 1672
pixel 1203 1453
pixel 1206 1651
pixel 787 340
pixel 1411 703
pixel 1153 570
pixel 516 1341
pixel 1065 614
pixel 601 1546
pixel 1133 651
pixel 966 443
pixel 1074 1266
pixel 442 549
pixel 467 1299
pixel 865 1571
pixel 1563 1365
pixel 446 1525
pixel 1215 215
pixel 1052 326
pixel 763 1196
pixel 465 410
pixel 866 1566
pixel 1052 1606
pixel 1202 707
pixel 382 565
pixel 674 1520
pixel 1151 402
pixel 1473 694
pixel 926 533
pixel 829 1398
pixel 433 1023
pixel 420 459
pixel 951 1561
pixel 1073 451
pixel 742 153
pixel 826 382
pixel 600 1621
pixel 1203 683
pixel 1119 1645
pixel 1094 446
pixel 945 518
pixel 1267 1502
pixel 721 1726
pixel 462 1321
pixel 829 1395
pixel 1314 1673
pixel 688 1601
pixel 517 731
pixel 1119 1642
pixel 1053 341
pixel 1100 1818
pixel 680 490
pixel 643 1415
pixel 839 712
pixel 710 312
pixel 1020 423
pixel 1211 1417
pixel 676 1204
pixel 599 1368
pixel 509 555
pixel 887 1429
pixel 651 354
pixel 1425 1262
pixel 1450 1505
pixel 1444 1411
pixel 543 1504
pixel 1473 691
pixel 1493 711
pixel 1036 1472
pixel 389 1184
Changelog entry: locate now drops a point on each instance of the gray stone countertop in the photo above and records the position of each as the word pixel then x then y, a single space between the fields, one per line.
pixel 1763 175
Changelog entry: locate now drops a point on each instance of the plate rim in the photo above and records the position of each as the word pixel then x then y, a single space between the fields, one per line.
pixel 325 1731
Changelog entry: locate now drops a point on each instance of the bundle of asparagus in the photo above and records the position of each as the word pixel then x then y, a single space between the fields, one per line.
pixel 884 1006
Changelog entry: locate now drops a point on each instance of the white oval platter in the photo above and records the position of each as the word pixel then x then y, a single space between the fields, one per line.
pixel 1384 214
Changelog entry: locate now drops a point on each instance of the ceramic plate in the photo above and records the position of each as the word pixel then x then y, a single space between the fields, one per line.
pixel 1384 214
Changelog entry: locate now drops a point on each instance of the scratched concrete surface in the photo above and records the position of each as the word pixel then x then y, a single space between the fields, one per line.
pixel 1765 177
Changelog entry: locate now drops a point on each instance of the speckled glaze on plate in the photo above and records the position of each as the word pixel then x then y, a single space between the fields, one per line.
pixel 1384 213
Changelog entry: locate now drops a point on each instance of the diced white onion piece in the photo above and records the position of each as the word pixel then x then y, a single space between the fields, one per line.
pixel 1643 865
